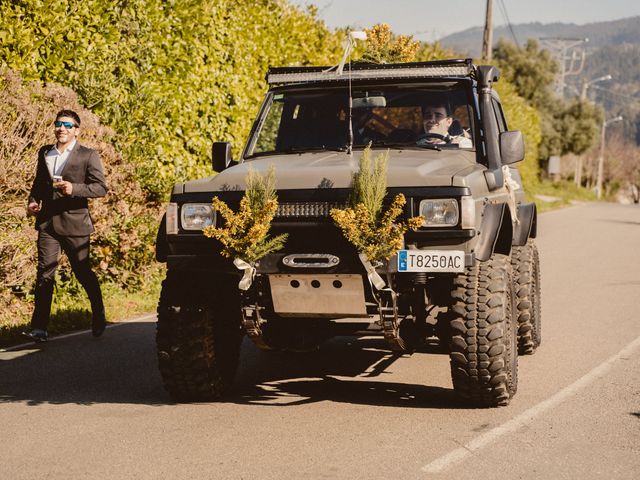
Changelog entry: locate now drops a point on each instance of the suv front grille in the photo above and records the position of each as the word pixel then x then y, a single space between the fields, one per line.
pixel 306 209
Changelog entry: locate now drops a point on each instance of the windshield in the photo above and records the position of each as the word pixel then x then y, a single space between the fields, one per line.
pixel 383 116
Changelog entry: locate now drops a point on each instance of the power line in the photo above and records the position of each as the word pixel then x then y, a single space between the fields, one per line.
pixel 611 92
pixel 503 8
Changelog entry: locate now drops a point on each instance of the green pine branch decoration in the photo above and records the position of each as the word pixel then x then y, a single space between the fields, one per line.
pixel 376 233
pixel 244 234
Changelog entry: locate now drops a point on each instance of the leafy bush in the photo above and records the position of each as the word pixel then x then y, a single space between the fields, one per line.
pixel 168 77
pixel 123 244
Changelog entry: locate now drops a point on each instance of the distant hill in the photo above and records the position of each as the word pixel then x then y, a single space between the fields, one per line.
pixel 613 49
pixel 600 34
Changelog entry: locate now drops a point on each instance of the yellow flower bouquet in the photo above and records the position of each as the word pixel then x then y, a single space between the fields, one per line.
pixel 244 234
pixel 375 233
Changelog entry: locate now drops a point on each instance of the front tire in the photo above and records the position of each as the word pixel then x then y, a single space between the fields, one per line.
pixel 198 337
pixel 483 351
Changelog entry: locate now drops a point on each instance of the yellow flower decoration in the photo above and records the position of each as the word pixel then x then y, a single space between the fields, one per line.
pixel 365 225
pixel 244 234
pixel 382 46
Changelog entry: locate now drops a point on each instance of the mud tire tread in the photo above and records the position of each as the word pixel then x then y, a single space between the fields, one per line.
pixel 198 339
pixel 526 269
pixel 483 353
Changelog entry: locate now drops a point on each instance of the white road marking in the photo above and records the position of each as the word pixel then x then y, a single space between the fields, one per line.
pixel 528 416
pixel 81 332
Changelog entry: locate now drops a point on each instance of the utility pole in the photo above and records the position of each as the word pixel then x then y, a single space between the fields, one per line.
pixel 583 97
pixel 487 37
pixel 560 48
pixel 601 157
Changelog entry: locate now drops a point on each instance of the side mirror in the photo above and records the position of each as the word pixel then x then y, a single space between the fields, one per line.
pixel 511 147
pixel 221 156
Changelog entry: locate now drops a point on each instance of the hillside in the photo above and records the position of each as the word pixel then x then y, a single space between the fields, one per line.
pixel 615 32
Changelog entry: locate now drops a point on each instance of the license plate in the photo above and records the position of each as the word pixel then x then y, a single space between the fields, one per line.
pixel 430 261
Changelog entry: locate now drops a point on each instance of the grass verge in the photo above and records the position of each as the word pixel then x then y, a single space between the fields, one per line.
pixel 71 309
pixel 559 194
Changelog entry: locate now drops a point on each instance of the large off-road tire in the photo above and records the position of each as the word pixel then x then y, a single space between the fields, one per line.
pixel 483 351
pixel 198 337
pixel 526 278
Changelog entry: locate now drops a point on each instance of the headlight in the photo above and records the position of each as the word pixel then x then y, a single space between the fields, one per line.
pixel 440 213
pixel 196 216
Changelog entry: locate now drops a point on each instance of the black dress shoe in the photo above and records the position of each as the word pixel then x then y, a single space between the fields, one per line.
pixel 37 335
pixel 98 324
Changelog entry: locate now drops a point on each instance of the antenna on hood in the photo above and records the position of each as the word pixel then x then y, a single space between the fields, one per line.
pixel 348 48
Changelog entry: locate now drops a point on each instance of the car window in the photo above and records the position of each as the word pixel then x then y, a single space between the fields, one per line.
pixel 296 121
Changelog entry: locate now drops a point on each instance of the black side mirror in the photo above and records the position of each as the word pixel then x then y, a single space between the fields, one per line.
pixel 221 156
pixel 511 147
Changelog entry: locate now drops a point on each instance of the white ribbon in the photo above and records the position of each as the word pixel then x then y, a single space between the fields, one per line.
pixel 248 275
pixel 511 185
pixel 374 278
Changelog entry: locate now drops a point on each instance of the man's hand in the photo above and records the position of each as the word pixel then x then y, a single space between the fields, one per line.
pixel 33 208
pixel 66 188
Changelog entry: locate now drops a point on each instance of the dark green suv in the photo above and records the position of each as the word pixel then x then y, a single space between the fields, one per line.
pixel 467 279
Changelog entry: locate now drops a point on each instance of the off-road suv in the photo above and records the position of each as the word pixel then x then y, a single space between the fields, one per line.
pixel 468 277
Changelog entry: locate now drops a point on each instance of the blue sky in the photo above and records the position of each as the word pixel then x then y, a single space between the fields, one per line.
pixel 430 20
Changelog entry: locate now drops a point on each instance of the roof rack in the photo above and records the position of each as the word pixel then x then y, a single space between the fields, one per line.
pixel 372 71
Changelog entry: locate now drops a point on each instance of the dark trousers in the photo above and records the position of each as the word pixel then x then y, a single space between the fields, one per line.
pixel 77 250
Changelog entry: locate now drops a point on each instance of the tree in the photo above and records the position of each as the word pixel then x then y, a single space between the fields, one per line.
pixel 567 127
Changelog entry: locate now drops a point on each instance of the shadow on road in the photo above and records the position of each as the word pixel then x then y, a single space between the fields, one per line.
pixel 121 368
pixel 285 379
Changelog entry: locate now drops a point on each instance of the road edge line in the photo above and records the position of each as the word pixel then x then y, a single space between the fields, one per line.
pixel 457 455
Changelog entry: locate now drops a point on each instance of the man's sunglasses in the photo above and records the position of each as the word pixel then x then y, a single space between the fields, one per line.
pixel 66 125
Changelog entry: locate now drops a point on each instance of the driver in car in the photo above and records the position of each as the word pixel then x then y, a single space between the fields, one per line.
pixel 437 120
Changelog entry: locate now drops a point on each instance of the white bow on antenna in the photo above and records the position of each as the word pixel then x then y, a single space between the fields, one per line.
pixel 348 48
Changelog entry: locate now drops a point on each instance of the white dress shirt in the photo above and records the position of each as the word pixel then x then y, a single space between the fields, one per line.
pixel 55 159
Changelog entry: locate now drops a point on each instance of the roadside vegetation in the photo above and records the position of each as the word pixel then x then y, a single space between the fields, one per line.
pixel 155 83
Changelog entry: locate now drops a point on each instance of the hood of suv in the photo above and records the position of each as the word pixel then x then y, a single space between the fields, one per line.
pixel 405 168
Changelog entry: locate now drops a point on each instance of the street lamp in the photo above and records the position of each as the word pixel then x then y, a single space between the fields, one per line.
pixel 601 157
pixel 585 85
pixel 583 96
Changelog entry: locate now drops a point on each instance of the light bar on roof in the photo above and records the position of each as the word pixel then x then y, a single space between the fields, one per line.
pixel 462 70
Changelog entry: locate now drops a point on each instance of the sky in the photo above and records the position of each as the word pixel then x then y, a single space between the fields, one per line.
pixel 430 20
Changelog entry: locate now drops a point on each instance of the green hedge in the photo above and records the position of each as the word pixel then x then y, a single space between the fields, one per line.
pixel 169 77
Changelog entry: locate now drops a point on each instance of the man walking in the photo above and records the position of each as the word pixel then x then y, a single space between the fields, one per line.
pixel 67 175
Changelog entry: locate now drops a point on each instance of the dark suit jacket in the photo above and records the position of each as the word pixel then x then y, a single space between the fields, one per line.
pixel 69 215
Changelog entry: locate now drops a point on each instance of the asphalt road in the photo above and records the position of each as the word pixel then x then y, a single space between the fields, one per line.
pixel 86 408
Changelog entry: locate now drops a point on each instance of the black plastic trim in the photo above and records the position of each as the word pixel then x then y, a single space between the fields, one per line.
pixel 495 232
pixel 527 215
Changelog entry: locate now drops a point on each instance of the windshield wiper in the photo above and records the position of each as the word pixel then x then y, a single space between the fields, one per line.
pixel 313 149
pixel 428 146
